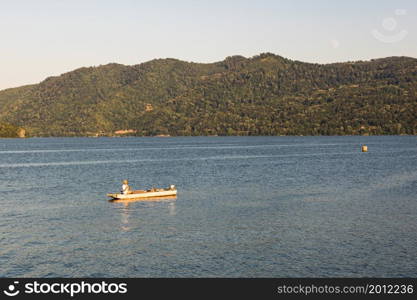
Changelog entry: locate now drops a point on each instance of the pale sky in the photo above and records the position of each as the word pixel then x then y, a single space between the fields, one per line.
pixel 49 37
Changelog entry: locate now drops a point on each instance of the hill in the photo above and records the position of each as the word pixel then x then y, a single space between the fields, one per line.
pixel 263 95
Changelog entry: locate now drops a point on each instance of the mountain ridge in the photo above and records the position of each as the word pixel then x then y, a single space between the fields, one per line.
pixel 209 63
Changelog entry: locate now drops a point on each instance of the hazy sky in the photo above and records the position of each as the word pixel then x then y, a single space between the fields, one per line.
pixel 45 37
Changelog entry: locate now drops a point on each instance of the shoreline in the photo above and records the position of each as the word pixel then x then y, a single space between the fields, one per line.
pixel 186 136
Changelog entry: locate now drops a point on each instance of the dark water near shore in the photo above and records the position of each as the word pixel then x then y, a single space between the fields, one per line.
pixel 247 207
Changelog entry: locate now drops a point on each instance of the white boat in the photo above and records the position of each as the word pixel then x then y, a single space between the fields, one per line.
pixel 152 193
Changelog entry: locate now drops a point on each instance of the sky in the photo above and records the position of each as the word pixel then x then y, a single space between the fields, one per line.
pixel 45 38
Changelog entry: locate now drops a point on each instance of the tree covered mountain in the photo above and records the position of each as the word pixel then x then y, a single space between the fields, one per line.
pixel 263 95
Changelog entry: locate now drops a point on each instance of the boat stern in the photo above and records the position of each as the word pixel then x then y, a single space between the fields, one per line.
pixel 113 196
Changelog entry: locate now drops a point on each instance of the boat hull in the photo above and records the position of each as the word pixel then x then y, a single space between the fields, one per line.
pixel 143 195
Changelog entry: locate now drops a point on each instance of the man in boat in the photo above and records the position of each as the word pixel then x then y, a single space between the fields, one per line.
pixel 126 188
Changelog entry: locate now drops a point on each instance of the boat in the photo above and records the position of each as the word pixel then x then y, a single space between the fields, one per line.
pixel 149 199
pixel 152 193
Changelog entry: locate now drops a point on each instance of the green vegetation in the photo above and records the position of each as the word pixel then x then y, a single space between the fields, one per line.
pixel 263 95
pixel 8 131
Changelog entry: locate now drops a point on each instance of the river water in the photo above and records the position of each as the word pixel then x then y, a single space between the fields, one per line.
pixel 246 207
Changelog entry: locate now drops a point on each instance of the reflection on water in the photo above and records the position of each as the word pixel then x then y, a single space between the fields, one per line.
pixel 132 206
pixel 172 208
pixel 125 217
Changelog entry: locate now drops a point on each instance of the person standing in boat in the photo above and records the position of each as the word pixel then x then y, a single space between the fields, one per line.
pixel 125 187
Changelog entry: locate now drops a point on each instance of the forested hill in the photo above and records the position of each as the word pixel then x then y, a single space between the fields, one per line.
pixel 263 95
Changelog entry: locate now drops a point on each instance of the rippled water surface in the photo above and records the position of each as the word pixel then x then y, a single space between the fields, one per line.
pixel 246 207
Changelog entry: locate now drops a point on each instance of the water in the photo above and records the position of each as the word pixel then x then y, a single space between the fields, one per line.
pixel 247 207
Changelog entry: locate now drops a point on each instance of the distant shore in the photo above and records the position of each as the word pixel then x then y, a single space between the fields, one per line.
pixel 176 136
